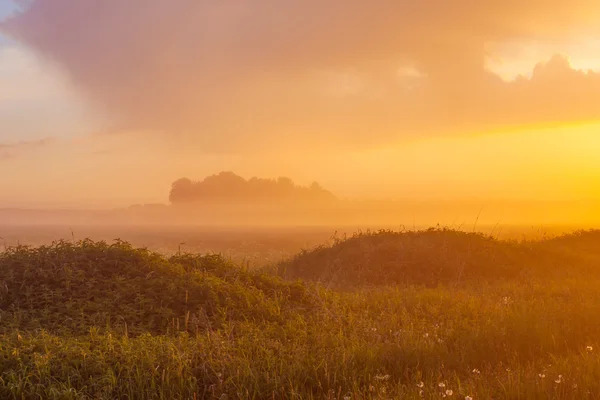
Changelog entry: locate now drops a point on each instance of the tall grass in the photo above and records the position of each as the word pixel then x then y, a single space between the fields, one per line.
pixel 263 337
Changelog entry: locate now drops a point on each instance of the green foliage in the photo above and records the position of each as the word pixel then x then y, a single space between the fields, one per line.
pixel 68 288
pixel 431 257
pixel 96 321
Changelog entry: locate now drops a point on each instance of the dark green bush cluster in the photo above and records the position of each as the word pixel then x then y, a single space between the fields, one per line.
pixel 68 288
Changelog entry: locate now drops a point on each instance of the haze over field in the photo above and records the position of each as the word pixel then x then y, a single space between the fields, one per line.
pixel 460 104
pixel 310 199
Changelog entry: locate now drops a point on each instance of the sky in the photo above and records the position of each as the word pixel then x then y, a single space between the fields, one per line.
pixel 106 103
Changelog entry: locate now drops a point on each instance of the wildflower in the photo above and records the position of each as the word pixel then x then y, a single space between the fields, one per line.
pixel 542 375
pixel 449 392
pixel 468 398
pixel 559 380
pixel 382 377
pixel 420 384
pixel 589 348
pixel 476 371
pixel 442 385
pixel 421 393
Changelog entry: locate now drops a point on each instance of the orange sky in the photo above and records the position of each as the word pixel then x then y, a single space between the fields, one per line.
pixel 106 103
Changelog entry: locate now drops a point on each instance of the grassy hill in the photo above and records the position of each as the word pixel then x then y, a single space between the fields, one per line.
pixel 430 314
pixel 67 288
pixel 433 257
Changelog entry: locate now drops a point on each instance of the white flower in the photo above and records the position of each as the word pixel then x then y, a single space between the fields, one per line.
pixel 468 398
pixel 589 348
pixel 542 375
pixel 559 380
pixel 421 393
pixel 449 392
pixel 476 371
pixel 442 385
pixel 420 384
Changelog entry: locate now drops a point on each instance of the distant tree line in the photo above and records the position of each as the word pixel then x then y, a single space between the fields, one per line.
pixel 229 187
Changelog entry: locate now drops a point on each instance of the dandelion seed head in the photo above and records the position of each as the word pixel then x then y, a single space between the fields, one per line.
pixel 382 377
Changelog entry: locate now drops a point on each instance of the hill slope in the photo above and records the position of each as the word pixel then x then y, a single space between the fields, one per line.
pixel 431 257
pixel 96 321
pixel 69 287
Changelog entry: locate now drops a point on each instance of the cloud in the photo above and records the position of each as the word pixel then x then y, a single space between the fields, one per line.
pixel 265 72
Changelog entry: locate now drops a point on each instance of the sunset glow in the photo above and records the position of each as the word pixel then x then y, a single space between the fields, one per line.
pixel 495 101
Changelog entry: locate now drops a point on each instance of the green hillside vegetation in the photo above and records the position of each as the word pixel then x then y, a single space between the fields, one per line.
pixel 433 257
pixel 428 314
pixel 67 288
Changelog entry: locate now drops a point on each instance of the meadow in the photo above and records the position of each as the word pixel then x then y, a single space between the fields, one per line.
pixel 435 313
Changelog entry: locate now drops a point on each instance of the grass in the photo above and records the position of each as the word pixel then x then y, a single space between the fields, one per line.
pixel 92 320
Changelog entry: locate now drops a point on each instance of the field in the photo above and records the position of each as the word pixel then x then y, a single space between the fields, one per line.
pixel 434 313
